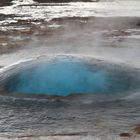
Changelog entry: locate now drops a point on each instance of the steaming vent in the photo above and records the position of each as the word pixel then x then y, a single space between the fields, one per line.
pixel 63 76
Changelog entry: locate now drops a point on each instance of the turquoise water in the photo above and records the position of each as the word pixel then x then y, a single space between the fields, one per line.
pixel 64 77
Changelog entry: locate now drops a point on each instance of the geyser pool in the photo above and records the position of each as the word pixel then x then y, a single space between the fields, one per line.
pixel 65 76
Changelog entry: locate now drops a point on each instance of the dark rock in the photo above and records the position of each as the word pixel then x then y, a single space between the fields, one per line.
pixel 4 16
pixel 5 2
pixel 125 135
pixel 138 23
pixel 61 1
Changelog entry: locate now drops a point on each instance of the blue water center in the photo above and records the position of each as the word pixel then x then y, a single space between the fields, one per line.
pixel 66 76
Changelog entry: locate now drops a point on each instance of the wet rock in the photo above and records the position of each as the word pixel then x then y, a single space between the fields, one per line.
pixel 5 2
pixel 26 136
pixel 6 16
pixel 125 135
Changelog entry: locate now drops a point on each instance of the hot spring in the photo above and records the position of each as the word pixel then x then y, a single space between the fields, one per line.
pixel 63 76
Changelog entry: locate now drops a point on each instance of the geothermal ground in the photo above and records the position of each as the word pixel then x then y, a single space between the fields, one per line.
pixel 104 34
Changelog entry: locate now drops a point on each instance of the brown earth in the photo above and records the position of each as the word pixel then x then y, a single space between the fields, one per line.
pixel 137 129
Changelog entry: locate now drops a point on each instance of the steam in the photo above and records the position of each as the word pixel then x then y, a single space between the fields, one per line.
pixel 88 39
